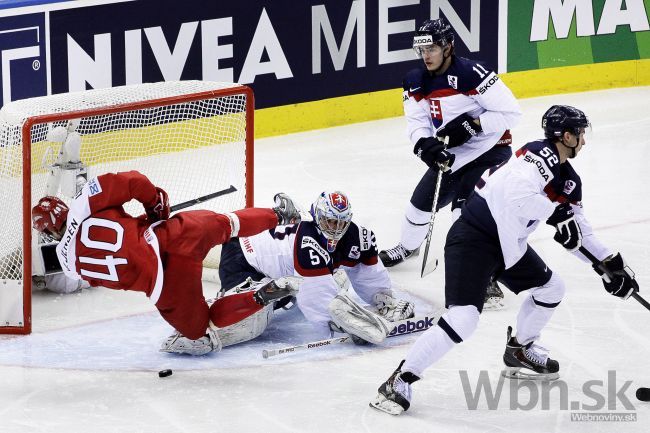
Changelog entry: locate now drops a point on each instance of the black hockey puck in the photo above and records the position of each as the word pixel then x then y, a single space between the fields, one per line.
pixel 643 394
pixel 164 373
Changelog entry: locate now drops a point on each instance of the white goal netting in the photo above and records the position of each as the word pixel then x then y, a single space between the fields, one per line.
pixel 190 138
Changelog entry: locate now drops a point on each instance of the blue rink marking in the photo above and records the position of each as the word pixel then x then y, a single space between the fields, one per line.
pixel 132 343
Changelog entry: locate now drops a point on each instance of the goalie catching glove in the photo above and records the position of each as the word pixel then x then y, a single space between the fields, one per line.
pixel 568 231
pixel 160 210
pixel 459 130
pixel 286 210
pixel 620 282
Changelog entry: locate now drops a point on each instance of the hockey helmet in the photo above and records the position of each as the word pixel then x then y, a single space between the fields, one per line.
pixel 432 32
pixel 561 118
pixel 332 214
pixel 49 215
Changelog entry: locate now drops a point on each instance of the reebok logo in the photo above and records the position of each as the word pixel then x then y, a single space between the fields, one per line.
pixel 412 326
pixel 320 343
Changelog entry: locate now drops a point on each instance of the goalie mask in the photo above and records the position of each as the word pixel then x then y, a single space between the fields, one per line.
pixel 49 216
pixel 332 214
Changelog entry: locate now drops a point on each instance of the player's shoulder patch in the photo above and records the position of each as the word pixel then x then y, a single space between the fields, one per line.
pixel 94 187
pixel 572 187
pixel 471 75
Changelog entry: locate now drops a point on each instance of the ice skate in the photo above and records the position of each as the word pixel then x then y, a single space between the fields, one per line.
pixel 528 361
pixel 394 395
pixel 493 297
pixel 396 255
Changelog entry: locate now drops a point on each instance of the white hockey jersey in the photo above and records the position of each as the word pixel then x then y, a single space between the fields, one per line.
pixel 301 250
pixel 431 101
pixel 525 190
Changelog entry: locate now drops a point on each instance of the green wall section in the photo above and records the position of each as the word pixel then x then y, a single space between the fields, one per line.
pixel 524 55
pixel 643 38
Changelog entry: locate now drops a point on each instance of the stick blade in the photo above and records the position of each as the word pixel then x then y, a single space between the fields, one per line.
pixel 428 267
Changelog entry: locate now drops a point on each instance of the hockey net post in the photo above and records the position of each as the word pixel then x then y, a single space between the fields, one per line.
pixel 191 138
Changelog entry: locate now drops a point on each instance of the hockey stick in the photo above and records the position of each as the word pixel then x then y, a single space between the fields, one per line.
pixel 402 327
pixel 426 267
pixel 606 271
pixel 201 199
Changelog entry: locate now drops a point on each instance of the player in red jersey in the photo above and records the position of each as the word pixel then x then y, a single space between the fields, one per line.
pixel 101 243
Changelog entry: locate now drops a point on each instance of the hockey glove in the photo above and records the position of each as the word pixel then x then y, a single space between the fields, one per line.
pixel 285 210
pixel 620 282
pixel 432 151
pixel 159 211
pixel 459 130
pixel 568 231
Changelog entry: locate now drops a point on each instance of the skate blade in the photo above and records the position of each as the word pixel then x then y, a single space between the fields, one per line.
pixel 493 304
pixel 382 404
pixel 518 373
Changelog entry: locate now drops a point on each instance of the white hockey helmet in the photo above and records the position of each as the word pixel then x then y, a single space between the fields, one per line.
pixel 332 214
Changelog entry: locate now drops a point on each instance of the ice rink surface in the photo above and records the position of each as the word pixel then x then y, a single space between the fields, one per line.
pixel 91 364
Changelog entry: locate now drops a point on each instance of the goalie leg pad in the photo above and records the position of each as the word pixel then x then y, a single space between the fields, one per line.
pixel 246 329
pixel 358 321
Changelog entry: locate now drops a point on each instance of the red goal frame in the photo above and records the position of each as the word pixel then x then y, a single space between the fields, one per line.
pixel 27 170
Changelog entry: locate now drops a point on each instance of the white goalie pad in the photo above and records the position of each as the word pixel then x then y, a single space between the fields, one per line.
pixel 247 329
pixel 356 320
pixel 176 343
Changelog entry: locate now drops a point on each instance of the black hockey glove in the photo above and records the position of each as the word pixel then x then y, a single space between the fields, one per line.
pixel 459 130
pixel 285 210
pixel 621 283
pixel 432 151
pixel 568 231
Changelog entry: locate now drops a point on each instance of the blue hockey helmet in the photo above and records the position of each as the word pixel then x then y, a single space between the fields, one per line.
pixel 561 118
pixel 432 32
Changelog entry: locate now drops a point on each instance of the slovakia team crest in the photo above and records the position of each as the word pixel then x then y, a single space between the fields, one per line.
pixel 339 201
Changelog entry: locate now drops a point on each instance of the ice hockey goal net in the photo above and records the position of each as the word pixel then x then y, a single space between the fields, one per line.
pixel 191 138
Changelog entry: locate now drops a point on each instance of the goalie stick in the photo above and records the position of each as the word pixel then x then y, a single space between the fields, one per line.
pixel 201 199
pixel 605 270
pixel 427 268
pixel 401 327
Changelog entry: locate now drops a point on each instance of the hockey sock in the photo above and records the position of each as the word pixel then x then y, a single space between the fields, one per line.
pixel 233 308
pixel 255 220
pixel 454 326
pixel 414 227
pixel 536 310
